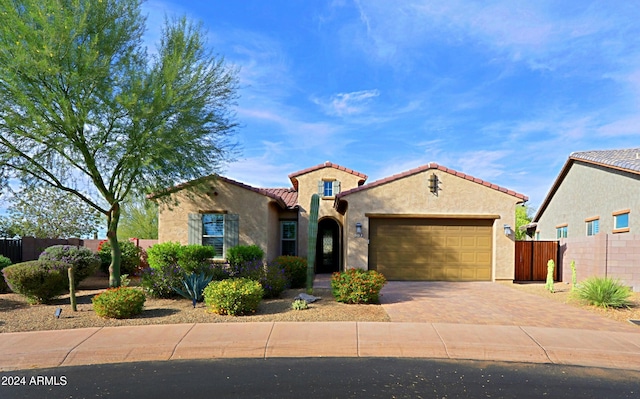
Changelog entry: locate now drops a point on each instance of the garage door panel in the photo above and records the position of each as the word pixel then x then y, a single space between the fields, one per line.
pixel 431 249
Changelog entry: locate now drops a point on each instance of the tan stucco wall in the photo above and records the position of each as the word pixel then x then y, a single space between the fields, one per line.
pixel 411 195
pixel 307 186
pixel 589 191
pixel 258 218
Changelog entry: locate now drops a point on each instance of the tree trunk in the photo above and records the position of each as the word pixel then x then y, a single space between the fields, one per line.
pixel 116 253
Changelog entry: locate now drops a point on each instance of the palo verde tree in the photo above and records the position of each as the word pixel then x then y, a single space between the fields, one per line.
pixel 85 109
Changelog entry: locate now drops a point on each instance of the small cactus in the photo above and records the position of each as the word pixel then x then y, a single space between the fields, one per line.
pixel 574 276
pixel 550 266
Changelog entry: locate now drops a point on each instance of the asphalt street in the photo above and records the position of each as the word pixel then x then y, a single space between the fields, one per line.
pixel 321 378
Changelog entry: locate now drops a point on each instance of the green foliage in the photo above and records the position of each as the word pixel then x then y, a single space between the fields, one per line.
pixel 604 292
pixel 84 261
pixel 241 254
pixel 311 240
pixel 45 212
pixel 195 258
pixel 129 261
pixel 236 296
pixel 139 219
pixel 523 218
pixel 159 281
pixel 274 280
pixel 82 99
pixel 193 285
pixel 574 276
pixel 38 281
pixel 357 286
pixel 549 284
pixel 299 304
pixel 4 262
pixel 119 303
pixel 295 268
pixel 164 253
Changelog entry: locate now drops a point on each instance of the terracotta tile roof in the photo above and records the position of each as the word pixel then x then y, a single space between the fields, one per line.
pixel 427 167
pixel 293 176
pixel 288 195
pixel 626 160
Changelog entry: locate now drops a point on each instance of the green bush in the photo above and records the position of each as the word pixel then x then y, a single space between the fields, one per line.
pixel 236 296
pixel 38 281
pixel 295 268
pixel 357 286
pixel 163 254
pixel 241 254
pixel 273 280
pixel 129 260
pixel 195 258
pixel 299 304
pixel 159 281
pixel 84 261
pixel 4 262
pixel 604 292
pixel 119 303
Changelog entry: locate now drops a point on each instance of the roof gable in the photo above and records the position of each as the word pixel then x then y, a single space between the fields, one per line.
pixel 434 166
pixel 294 176
pixel 626 160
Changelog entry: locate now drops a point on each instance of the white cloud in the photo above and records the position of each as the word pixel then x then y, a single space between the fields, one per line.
pixel 347 104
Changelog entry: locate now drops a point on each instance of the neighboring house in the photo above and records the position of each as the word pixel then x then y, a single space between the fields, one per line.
pixel 595 192
pixel 429 223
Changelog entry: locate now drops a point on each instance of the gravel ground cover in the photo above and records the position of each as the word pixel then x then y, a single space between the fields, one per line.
pixel 16 315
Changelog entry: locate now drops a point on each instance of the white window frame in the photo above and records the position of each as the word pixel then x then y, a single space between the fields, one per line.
pixel 562 231
pixel 593 226
pixel 617 217
pixel 221 236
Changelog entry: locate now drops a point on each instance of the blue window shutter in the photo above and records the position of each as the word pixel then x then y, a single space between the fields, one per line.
pixel 195 228
pixel 336 187
pixel 231 231
pixel 321 188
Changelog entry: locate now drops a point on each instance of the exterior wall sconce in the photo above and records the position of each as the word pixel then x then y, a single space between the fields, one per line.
pixel 358 229
pixel 434 184
pixel 507 230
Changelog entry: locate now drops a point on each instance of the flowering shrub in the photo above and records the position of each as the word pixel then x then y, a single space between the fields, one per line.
pixel 295 268
pixel 84 261
pixel 38 281
pixel 357 286
pixel 4 262
pixel 236 296
pixel 272 277
pixel 129 260
pixel 119 303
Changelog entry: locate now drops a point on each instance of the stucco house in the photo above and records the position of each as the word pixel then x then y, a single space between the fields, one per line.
pixel 428 223
pixel 595 192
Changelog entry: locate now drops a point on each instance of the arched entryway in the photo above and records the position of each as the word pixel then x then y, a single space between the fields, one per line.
pixel 328 246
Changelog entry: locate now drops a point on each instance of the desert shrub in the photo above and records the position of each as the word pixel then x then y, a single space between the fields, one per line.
pixel 299 304
pixel 236 296
pixel 605 292
pixel 163 254
pixel 241 254
pixel 119 303
pixel 159 281
pixel 195 258
pixel 272 276
pixel 129 260
pixel 38 281
pixel 295 268
pixel 357 286
pixel 84 261
pixel 4 262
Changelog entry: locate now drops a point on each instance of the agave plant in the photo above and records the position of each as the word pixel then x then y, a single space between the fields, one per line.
pixel 193 285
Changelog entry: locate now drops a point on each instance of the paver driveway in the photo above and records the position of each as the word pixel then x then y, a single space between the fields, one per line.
pixel 485 303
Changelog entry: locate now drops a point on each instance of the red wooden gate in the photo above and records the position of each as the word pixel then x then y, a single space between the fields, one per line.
pixel 531 260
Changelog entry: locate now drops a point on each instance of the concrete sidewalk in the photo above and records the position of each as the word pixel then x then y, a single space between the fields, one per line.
pixel 85 346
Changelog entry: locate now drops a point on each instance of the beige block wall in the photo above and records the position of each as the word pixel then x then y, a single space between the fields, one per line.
pixel 307 186
pixel 411 195
pixel 258 217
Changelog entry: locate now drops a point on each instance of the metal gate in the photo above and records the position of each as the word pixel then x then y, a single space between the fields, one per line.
pixel 531 260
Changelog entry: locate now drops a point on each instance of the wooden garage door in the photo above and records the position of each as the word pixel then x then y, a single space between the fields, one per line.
pixel 431 249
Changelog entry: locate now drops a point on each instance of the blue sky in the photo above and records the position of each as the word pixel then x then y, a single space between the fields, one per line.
pixel 501 90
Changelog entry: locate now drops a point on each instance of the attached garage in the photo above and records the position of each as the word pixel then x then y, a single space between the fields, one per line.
pixel 436 249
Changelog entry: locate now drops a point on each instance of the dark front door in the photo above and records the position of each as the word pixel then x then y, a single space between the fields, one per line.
pixel 328 247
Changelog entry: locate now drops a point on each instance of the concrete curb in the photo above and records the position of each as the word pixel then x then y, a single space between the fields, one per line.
pixel 43 349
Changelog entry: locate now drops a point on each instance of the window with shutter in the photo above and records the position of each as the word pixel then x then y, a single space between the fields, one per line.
pixel 213 232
